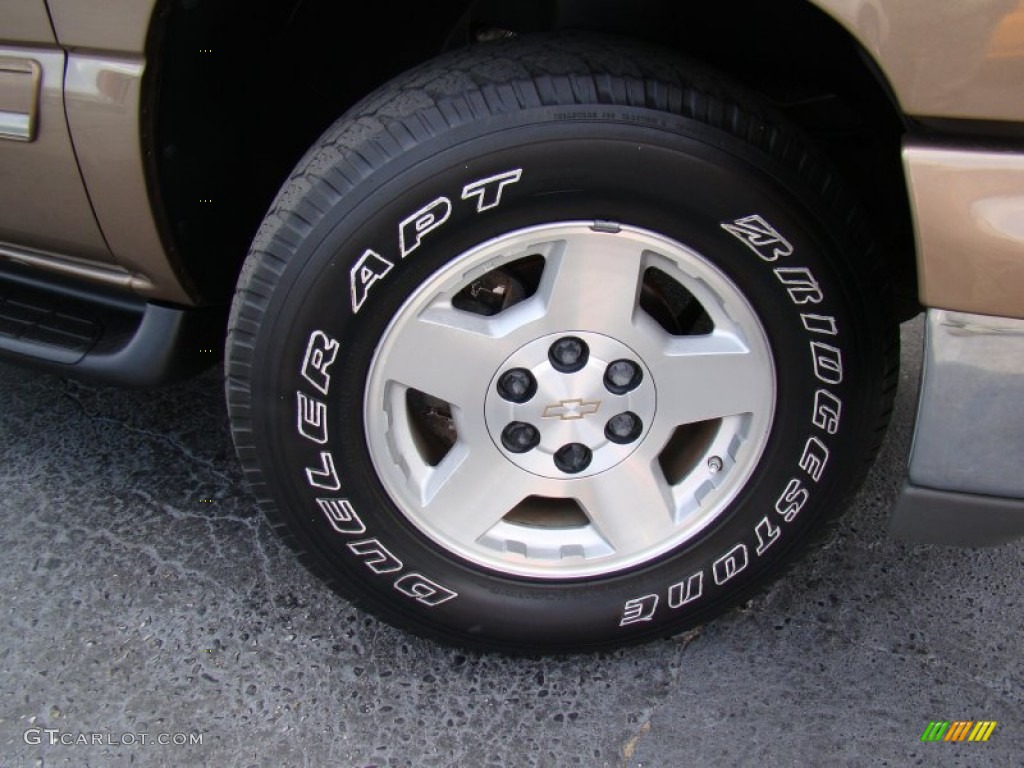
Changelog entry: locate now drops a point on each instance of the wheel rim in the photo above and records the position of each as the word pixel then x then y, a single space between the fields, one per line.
pixel 569 400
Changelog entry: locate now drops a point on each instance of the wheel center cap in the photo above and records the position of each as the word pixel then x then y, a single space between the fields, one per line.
pixel 570 405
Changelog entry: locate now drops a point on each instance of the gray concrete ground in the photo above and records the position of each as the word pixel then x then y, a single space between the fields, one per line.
pixel 141 594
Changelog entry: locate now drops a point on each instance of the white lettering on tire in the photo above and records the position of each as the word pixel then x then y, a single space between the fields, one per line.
pixel 488 191
pixel 767 534
pixel 823 324
pixel 639 609
pixel 426 219
pixel 321 350
pixel 800 284
pixel 814 458
pixel 375 556
pixel 792 500
pixel 312 418
pixel 827 410
pixel 370 268
pixel 342 516
pixel 325 476
pixel 828 363
pixel 730 564
pixel 803 288
pixel 686 591
pixel 760 237
pixel 423 590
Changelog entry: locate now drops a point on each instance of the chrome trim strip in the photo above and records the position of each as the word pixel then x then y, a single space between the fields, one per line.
pixel 970 424
pixel 15 126
pixel 71 267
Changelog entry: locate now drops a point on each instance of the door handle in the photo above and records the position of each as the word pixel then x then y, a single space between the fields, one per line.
pixel 19 98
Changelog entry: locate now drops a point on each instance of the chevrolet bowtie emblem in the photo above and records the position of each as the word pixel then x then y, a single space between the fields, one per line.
pixel 568 410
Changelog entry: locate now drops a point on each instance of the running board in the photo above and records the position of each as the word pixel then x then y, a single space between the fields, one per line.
pixel 90 333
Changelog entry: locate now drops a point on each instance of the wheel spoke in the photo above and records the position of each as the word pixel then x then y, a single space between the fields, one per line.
pixel 631 506
pixel 710 377
pixel 445 353
pixel 592 283
pixel 470 491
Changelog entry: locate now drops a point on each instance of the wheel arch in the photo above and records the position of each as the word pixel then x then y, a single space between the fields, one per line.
pixel 238 91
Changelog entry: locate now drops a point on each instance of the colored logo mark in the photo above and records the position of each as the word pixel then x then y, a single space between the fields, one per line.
pixel 570 410
pixel 958 730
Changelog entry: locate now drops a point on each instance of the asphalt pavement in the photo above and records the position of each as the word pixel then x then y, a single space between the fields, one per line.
pixel 144 600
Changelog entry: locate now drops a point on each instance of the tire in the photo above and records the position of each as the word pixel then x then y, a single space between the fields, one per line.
pixel 420 356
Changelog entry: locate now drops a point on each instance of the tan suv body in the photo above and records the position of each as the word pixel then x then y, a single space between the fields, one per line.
pixel 142 141
pixel 79 192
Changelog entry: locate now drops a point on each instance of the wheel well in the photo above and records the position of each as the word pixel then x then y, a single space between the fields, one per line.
pixel 239 90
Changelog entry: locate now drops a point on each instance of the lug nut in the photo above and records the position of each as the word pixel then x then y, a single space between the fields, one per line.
pixel 568 354
pixel 517 385
pixel 519 437
pixel 623 428
pixel 573 458
pixel 622 376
